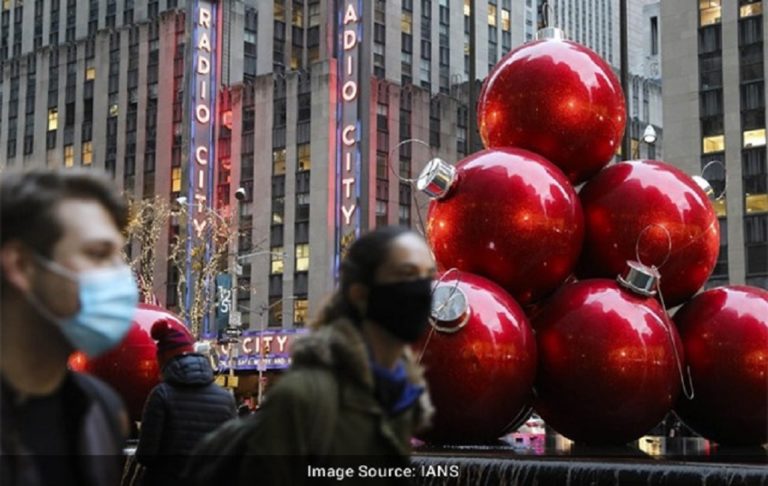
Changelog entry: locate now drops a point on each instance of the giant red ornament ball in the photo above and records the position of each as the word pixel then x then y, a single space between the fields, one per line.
pixel 131 368
pixel 511 216
pixel 556 98
pixel 480 361
pixel 607 368
pixel 636 209
pixel 725 333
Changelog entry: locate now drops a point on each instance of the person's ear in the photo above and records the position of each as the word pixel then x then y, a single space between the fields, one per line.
pixel 17 266
pixel 358 296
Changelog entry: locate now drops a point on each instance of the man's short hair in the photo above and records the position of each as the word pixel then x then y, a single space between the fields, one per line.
pixel 28 201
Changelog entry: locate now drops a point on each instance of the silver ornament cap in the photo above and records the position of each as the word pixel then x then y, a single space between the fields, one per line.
pixel 450 308
pixel 705 186
pixel 640 279
pixel 436 179
pixel 550 33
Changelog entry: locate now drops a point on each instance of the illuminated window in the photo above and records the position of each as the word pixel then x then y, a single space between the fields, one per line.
pixel 276 257
pixel 304 158
pixel 6 4
pixel 709 12
pixel 113 110
pixel 278 162
pixel 300 307
pixel 751 9
pixel 721 207
pixel 492 15
pixel 69 155
pixel 302 258
pixel 176 179
pixel 87 153
pixel 295 60
pixel 715 143
pixel 754 138
pixel 279 10
pixel 298 14
pixel 467 8
pixel 90 74
pixel 407 23
pixel 53 119
pixel 278 209
pixel 756 203
pixel 506 22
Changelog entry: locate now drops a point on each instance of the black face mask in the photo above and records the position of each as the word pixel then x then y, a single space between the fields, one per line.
pixel 402 308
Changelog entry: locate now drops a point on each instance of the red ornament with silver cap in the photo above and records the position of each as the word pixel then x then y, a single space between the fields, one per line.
pixel 725 333
pixel 480 360
pixel 505 214
pixel 556 98
pixel 652 211
pixel 610 360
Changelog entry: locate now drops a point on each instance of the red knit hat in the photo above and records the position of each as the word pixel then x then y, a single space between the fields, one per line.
pixel 172 340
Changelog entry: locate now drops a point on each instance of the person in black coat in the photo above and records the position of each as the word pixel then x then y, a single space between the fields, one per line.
pixel 182 409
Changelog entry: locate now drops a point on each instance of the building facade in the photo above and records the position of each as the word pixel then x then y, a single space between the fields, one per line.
pixel 302 103
pixel 714 117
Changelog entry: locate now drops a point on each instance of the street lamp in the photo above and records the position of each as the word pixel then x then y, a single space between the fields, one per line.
pixel 649 138
pixel 649 135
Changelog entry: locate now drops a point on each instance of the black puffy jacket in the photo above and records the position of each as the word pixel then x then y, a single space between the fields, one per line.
pixel 178 413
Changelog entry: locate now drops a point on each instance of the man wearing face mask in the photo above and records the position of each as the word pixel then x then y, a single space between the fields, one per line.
pixel 354 394
pixel 65 287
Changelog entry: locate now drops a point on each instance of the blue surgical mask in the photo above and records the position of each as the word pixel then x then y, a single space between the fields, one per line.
pixel 108 299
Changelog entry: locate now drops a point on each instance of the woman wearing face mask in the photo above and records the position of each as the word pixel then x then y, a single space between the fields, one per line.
pixel 354 394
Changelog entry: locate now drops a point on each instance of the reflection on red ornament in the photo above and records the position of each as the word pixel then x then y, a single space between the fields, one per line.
pixel 480 361
pixel 725 333
pixel 131 368
pixel 607 371
pixel 508 215
pixel 556 98
pixel 653 210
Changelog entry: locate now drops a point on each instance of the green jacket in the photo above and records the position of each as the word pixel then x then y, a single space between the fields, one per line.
pixel 325 406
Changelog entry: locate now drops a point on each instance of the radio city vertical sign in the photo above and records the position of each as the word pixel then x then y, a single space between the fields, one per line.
pixel 348 155
pixel 202 89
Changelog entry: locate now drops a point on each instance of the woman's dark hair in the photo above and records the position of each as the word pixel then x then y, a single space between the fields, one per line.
pixel 359 265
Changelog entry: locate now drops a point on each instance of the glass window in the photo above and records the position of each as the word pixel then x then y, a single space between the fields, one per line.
pixel 279 10
pixel 298 15
pixel 709 12
pixel 751 9
pixel 754 138
pixel 304 158
pixel 300 307
pixel 467 8
pixel 715 143
pixel 276 257
pixel 506 23
pixel 176 179
pixel 278 162
pixel 407 22
pixel 69 155
pixel 302 258
pixel 756 203
pixel 53 119
pixel 90 74
pixel 314 14
pixel 87 153
pixel 492 15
